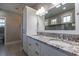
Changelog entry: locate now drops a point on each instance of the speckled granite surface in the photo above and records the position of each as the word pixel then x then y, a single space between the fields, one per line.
pixel 70 37
pixel 70 46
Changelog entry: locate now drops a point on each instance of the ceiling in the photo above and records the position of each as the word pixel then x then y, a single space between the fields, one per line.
pixel 18 7
pixel 15 7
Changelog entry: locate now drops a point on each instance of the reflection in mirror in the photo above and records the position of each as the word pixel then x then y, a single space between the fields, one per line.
pixel 53 21
pixel 2 22
pixel 61 18
pixel 46 22
pixel 66 19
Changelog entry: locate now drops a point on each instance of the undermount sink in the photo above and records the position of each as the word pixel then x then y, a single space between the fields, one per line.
pixel 59 43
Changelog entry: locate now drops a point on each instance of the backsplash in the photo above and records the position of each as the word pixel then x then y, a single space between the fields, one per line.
pixel 71 37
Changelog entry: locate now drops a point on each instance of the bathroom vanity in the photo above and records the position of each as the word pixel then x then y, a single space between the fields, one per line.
pixel 50 45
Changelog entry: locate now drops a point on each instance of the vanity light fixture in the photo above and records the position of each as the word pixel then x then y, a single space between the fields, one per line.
pixel 41 11
pixel 57 6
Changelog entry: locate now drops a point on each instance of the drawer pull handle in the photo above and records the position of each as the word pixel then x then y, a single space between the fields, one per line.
pixel 37 44
pixel 29 44
pixel 36 52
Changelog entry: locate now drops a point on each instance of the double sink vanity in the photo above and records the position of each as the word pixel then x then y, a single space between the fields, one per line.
pixel 56 21
pixel 49 46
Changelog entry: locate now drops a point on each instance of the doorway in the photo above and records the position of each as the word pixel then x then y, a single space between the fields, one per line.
pixel 2 30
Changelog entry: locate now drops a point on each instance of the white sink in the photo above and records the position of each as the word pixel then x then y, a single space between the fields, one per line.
pixel 60 43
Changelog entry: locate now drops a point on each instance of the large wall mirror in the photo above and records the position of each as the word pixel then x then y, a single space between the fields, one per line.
pixel 61 18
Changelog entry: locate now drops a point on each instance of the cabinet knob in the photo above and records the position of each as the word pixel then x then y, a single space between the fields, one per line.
pixel 36 52
pixel 37 44
pixel 29 44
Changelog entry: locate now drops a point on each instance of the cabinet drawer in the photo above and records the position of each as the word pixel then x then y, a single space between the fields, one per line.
pixel 33 51
pixel 35 44
pixel 34 47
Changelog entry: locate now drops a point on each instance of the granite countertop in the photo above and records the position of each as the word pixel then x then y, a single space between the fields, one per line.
pixel 70 46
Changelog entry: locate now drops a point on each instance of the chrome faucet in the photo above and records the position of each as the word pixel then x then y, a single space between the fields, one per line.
pixel 60 36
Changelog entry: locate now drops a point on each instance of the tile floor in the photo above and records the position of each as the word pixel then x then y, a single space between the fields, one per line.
pixel 12 50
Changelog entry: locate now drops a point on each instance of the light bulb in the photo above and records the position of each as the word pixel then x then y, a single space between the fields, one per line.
pixel 41 11
pixel 58 6
pixel 64 8
pixel 55 4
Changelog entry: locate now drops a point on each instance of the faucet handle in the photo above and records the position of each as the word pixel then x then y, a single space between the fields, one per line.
pixel 61 36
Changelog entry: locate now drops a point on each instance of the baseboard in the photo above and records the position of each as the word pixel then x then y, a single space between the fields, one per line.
pixel 13 42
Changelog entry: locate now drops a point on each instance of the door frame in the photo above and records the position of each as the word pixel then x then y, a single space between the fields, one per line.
pixel 4 30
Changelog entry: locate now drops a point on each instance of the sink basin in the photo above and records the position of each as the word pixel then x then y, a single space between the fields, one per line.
pixel 59 43
pixel 54 39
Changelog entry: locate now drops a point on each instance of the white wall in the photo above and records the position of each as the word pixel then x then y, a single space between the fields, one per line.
pixel 76 31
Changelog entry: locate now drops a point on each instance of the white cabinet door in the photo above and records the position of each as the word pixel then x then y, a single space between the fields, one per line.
pixel 29 26
pixel 25 43
pixel 31 21
pixel 47 50
pixel 51 51
pixel 43 51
